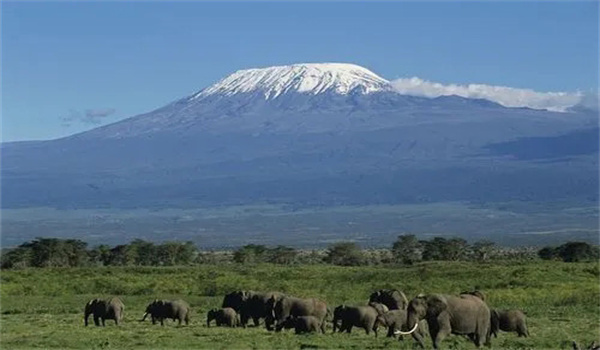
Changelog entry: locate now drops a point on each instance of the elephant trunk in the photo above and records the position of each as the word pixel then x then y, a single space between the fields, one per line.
pixel 85 318
pixel 144 318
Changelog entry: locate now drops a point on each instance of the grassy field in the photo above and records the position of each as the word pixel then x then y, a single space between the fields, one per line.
pixel 43 308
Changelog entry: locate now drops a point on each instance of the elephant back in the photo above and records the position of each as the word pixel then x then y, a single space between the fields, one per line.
pixel 179 306
pixel 236 299
pixel 392 298
pixel 291 306
pixel 229 312
pixel 115 302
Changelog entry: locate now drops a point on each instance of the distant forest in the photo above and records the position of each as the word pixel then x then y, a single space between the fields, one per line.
pixel 406 250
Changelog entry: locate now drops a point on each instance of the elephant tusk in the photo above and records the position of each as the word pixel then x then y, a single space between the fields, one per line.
pixel 399 332
pixel 143 318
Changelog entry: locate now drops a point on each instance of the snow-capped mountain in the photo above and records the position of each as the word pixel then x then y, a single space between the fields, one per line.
pixel 310 133
pixel 303 98
pixel 307 78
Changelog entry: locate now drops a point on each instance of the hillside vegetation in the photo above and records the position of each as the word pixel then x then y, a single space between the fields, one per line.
pixel 43 307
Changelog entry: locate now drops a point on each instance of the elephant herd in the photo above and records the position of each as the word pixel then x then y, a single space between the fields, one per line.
pixel 439 315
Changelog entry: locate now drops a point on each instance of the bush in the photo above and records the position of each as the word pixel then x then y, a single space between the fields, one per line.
pixel 570 252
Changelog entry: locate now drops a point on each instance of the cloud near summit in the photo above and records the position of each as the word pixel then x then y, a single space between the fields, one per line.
pixel 506 96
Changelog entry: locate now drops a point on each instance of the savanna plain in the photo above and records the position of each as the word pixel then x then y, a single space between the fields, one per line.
pixel 43 307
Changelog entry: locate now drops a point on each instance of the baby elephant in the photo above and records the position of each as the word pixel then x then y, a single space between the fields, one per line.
pixel 223 317
pixel 302 324
pixel 509 321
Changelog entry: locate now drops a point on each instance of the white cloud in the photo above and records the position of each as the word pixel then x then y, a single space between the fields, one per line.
pixel 89 116
pixel 506 96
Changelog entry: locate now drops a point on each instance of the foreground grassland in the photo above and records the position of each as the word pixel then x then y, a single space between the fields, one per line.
pixel 43 308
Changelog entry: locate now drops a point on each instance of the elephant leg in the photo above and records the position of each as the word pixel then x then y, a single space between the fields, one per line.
pixel 162 321
pixel 103 322
pixel 439 337
pixel 256 321
pixel 96 320
pixel 419 339
pixel 433 332
pixel 244 319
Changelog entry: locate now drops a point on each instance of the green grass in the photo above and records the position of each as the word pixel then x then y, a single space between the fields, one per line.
pixel 43 308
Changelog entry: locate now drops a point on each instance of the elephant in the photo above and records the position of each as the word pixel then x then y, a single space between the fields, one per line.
pixel 250 304
pixel 448 314
pixel 509 321
pixel 392 298
pixel 476 293
pixel 303 324
pixel 223 317
pixel 109 309
pixel 365 317
pixel 396 320
pixel 174 309
pixel 291 306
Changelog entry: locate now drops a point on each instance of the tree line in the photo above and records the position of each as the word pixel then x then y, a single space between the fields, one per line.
pixel 406 250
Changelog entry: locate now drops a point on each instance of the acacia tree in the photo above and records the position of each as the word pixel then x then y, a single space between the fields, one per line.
pixel 407 249
pixel 251 253
pixel 282 255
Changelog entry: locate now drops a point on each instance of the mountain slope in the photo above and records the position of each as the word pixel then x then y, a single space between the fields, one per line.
pixel 301 133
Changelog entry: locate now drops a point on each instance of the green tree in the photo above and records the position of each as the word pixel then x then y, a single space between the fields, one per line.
pixel 455 249
pixel 147 252
pixel 483 249
pixel 282 255
pixel 54 252
pixel 407 249
pixel 577 251
pixel 433 249
pixel 344 254
pixel 548 253
pixel 440 248
pixel 18 257
pixel 251 253
pixel 123 255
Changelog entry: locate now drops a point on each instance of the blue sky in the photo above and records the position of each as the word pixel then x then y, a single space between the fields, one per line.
pixel 67 66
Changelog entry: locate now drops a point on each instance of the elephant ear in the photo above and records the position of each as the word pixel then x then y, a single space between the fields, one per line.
pixel 404 299
pixel 436 304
